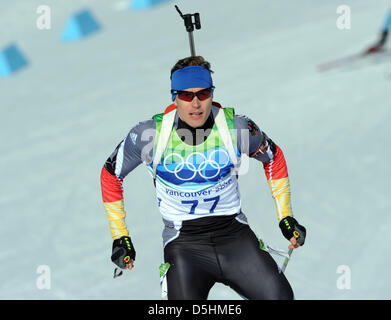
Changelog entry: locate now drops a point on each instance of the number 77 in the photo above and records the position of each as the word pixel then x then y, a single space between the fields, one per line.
pixel 194 204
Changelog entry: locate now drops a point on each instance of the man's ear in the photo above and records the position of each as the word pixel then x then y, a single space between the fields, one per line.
pixel 175 102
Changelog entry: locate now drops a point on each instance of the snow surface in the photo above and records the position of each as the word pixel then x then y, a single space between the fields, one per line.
pixel 64 114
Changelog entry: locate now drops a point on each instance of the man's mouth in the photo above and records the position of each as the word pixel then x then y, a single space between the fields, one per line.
pixel 196 115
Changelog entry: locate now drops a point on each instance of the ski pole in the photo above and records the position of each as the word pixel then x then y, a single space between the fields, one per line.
pixel 286 261
pixel 300 241
pixel 271 250
pixel 189 24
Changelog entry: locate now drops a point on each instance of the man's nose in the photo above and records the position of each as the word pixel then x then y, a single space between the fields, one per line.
pixel 196 102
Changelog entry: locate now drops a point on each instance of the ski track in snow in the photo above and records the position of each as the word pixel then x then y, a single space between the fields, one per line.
pixel 65 113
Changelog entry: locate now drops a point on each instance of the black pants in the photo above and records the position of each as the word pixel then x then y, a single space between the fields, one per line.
pixel 222 250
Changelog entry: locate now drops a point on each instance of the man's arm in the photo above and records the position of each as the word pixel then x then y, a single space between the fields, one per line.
pixel 131 152
pixel 136 148
pixel 276 172
pixel 262 148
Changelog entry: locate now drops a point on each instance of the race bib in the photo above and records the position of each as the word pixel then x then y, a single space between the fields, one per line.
pixel 222 198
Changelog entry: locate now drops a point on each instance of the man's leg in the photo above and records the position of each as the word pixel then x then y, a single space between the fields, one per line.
pixel 191 274
pixel 250 271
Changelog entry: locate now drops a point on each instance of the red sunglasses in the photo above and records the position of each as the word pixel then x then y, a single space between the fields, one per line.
pixel 189 96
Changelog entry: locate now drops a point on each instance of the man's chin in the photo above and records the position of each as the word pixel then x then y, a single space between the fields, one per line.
pixel 195 123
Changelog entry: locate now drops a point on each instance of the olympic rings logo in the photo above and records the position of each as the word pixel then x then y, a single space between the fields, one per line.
pixel 206 165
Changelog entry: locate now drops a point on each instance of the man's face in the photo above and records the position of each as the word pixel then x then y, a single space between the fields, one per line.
pixel 196 112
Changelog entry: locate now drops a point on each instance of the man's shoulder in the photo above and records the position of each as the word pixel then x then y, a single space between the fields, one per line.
pixel 138 132
pixel 241 121
pixel 245 122
pixel 142 125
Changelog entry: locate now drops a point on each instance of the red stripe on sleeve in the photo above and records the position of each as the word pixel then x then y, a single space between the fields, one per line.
pixel 276 169
pixel 111 186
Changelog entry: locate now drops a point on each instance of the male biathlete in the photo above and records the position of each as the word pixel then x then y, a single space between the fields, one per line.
pixel 193 151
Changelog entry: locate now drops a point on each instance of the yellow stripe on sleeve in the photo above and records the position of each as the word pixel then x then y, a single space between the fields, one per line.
pixel 281 194
pixel 116 213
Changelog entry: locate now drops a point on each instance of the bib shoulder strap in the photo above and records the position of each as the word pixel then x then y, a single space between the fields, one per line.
pixel 222 127
pixel 164 136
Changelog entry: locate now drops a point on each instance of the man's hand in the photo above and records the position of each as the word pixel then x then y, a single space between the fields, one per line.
pixel 293 244
pixel 123 254
pixel 293 232
pixel 130 265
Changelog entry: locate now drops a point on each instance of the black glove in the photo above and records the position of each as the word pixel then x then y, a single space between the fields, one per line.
pixel 123 251
pixel 291 228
